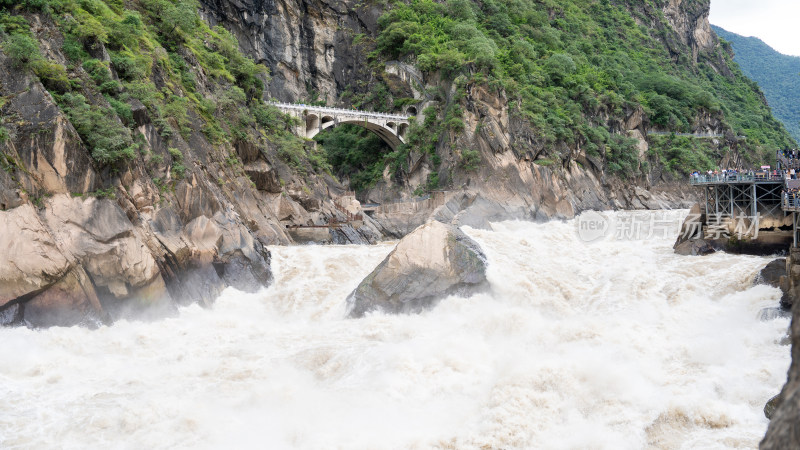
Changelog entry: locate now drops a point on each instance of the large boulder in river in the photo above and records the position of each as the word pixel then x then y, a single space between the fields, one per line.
pixel 432 262
pixel 772 273
pixel 690 240
pixel 698 247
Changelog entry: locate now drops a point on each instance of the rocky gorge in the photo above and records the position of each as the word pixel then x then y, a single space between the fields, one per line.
pixel 143 167
pixel 193 202
pixel 201 197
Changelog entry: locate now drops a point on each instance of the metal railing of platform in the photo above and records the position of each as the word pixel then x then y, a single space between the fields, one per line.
pixel 737 178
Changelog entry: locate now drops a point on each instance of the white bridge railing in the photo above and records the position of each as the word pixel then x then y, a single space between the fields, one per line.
pixel 325 109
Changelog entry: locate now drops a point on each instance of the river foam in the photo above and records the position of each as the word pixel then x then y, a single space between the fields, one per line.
pixel 615 344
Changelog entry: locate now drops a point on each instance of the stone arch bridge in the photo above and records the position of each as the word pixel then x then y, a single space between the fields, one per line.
pixel 392 128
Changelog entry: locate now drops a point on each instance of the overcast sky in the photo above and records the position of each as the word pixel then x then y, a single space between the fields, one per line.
pixel 776 22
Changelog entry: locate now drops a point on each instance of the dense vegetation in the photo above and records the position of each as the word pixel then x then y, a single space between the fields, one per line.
pixel 189 76
pixel 567 65
pixel 356 154
pixel 777 74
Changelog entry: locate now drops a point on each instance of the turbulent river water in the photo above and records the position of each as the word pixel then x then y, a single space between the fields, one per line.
pixel 614 344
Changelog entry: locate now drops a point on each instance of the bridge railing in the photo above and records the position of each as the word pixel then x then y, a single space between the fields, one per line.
pixel 301 107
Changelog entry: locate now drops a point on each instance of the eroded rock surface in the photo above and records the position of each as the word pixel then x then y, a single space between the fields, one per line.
pixel 82 261
pixel 432 262
pixel 29 258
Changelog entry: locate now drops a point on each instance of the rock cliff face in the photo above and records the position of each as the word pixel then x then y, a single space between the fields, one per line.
pixel 784 425
pixel 689 19
pixel 319 49
pixel 181 219
pixel 306 44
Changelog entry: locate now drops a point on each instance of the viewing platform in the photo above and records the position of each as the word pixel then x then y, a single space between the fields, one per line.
pixel 758 199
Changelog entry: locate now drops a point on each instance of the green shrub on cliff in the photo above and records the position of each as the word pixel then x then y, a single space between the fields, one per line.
pixel 470 159
pixel 21 49
pixel 108 140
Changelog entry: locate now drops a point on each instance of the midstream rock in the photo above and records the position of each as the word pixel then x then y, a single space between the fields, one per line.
pixel 432 262
pixel 772 273
pixel 771 406
pixel 697 247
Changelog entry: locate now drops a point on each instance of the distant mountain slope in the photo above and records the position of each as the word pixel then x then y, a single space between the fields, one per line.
pixel 777 74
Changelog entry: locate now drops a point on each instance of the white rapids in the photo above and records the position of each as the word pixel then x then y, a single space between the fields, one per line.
pixel 611 345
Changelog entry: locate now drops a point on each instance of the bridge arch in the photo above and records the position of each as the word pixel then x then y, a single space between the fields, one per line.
pixel 391 128
pixel 312 123
pixel 391 132
pixel 383 131
pixel 402 130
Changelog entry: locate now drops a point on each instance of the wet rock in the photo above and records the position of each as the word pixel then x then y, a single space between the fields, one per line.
pixel 98 234
pixel 209 254
pixel 784 425
pixel 70 301
pixel 772 273
pixel 349 234
pixel 691 229
pixel 200 284
pixel 771 406
pixel 697 247
pixel 472 210
pixel 767 314
pixel 11 315
pixel 245 260
pixel 432 262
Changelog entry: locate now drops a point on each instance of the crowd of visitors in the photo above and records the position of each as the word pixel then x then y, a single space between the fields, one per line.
pixel 787 168
pixel 789 159
pixel 736 174
pixel 791 197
